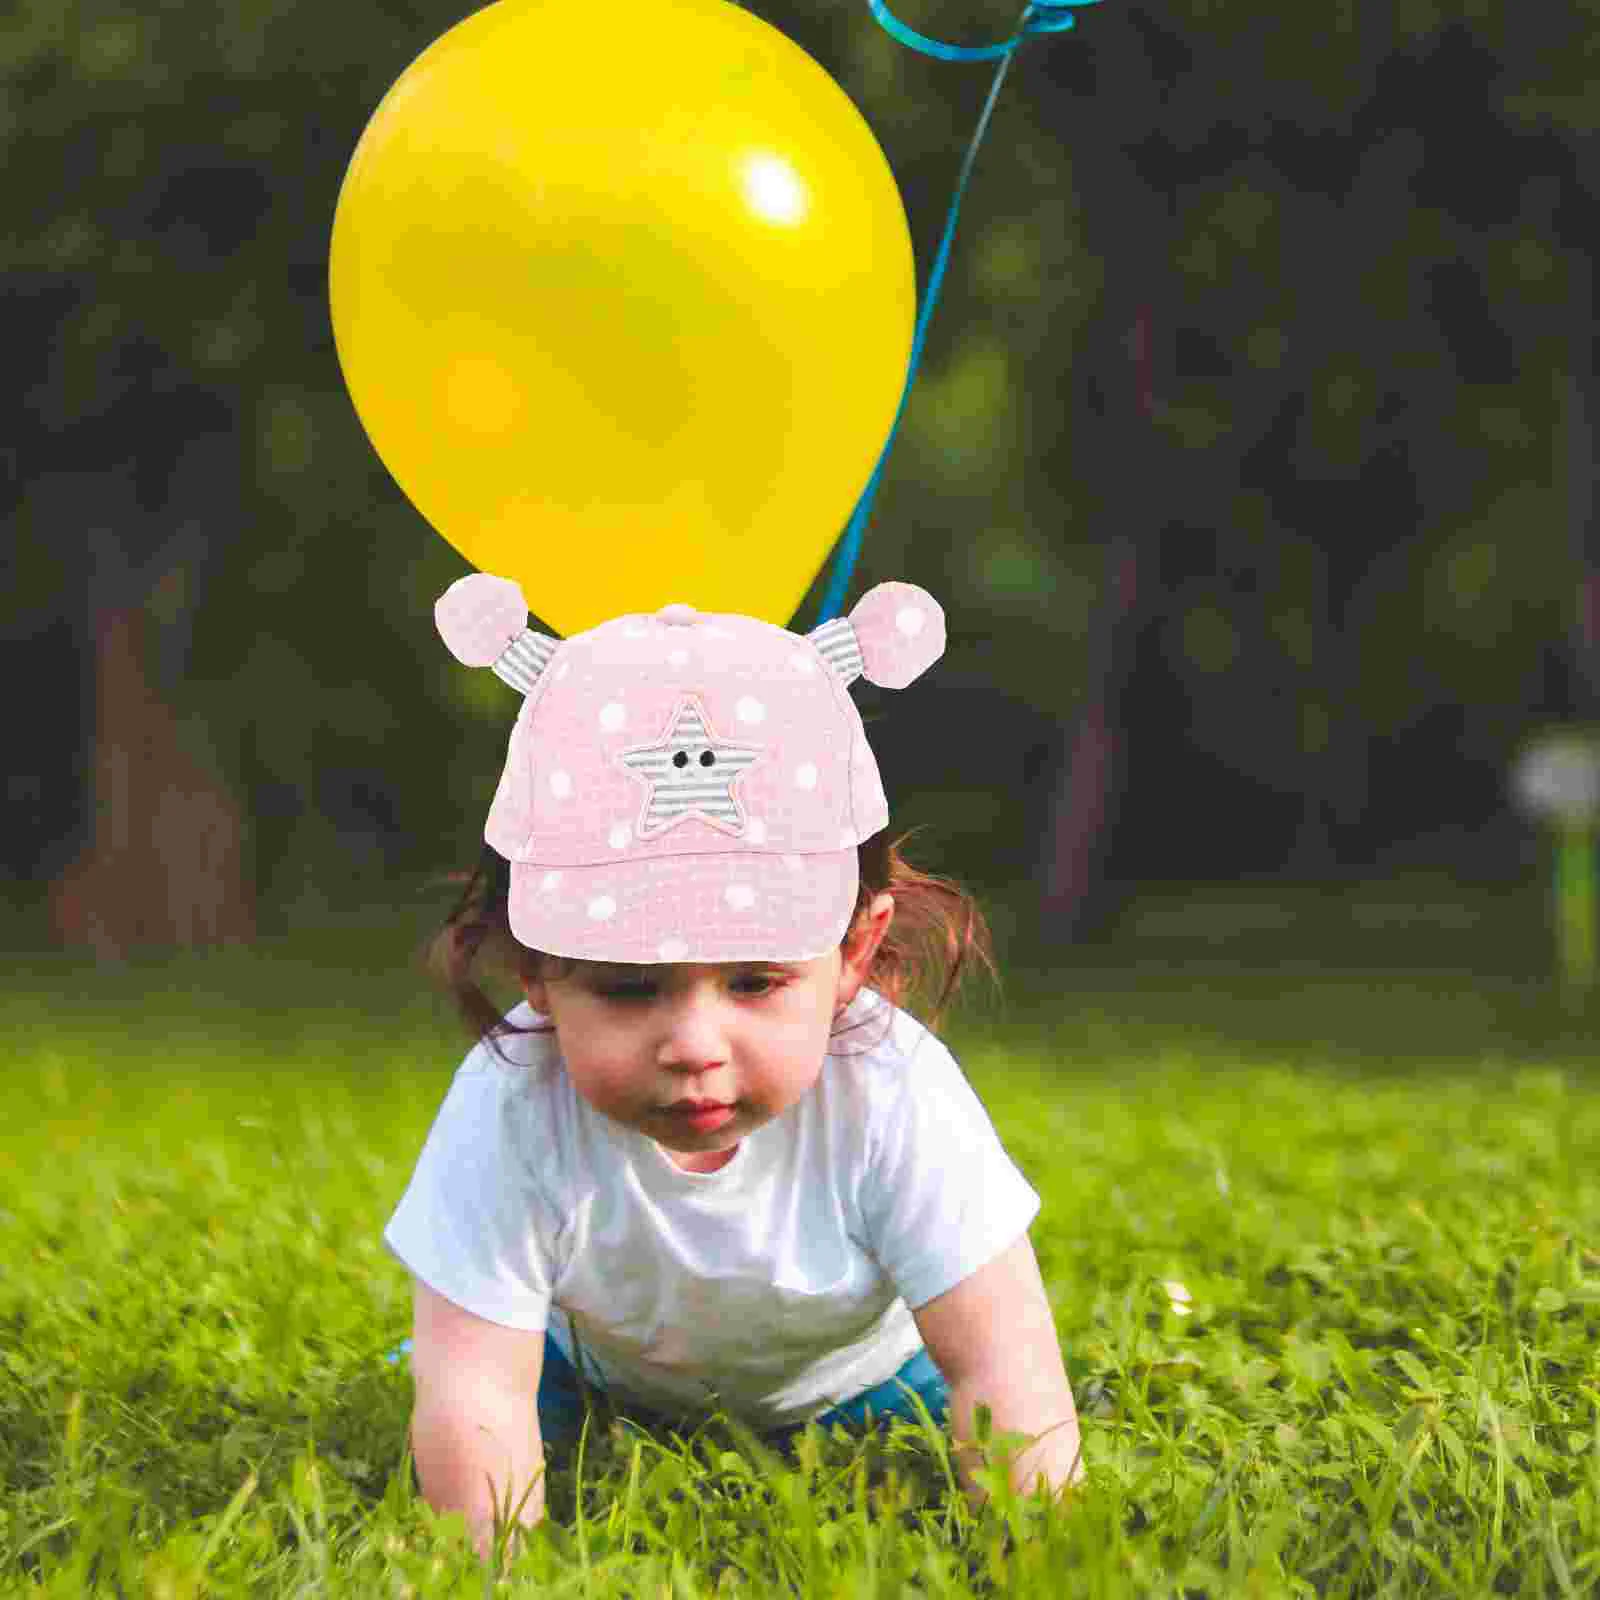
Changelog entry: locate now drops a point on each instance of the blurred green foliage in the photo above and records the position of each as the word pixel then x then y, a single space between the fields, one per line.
pixel 1363 238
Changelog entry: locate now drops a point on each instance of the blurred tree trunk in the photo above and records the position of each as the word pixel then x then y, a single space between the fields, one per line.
pixel 163 866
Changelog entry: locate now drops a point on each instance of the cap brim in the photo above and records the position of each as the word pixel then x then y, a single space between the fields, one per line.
pixel 687 908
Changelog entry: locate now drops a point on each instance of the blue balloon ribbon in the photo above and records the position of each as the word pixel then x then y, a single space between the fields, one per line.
pixel 1042 16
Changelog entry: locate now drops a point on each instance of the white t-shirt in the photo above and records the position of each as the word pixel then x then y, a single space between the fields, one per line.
pixel 779 1285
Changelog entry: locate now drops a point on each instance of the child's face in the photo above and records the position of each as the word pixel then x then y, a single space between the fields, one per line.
pixel 748 1036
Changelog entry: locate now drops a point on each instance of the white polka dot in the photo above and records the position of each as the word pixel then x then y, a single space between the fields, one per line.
pixel 740 896
pixel 805 775
pixel 792 863
pixel 802 664
pixel 749 709
pixel 560 784
pixel 712 631
pixel 847 840
pixel 676 658
pixel 672 949
pixel 910 620
pixel 635 630
pixel 613 715
pixel 549 881
pixel 755 830
pixel 602 908
pixel 561 669
pixel 619 836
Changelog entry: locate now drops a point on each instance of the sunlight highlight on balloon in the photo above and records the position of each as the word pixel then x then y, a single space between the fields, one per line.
pixel 774 189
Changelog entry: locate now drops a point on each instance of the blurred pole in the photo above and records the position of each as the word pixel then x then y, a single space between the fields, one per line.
pixel 1112 90
pixel 1578 468
pixel 1575 907
pixel 1575 887
pixel 1555 782
pixel 1078 833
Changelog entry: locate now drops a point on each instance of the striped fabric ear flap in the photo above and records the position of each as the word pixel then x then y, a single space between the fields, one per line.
pixel 840 648
pixel 521 662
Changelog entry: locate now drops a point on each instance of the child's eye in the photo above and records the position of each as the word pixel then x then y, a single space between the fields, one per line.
pixel 626 991
pixel 755 984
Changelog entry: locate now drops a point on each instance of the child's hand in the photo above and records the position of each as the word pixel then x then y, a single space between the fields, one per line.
pixel 1051 1459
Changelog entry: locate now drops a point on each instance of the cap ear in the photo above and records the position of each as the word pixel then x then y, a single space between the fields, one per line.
pixel 837 643
pixel 899 628
pixel 483 621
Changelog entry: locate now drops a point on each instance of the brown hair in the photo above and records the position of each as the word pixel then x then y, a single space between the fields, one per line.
pixel 938 929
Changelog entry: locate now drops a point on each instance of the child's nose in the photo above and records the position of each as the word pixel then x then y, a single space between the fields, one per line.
pixel 695 1038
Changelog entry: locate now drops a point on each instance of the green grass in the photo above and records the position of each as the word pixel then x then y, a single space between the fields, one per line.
pixel 1379 1186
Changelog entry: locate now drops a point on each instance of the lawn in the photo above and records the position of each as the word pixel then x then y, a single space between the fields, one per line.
pixel 1322 1237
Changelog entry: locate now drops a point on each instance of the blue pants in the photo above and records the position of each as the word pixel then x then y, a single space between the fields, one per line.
pixel 561 1399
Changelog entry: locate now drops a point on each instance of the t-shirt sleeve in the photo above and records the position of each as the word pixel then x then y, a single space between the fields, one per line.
pixel 475 1223
pixel 941 1197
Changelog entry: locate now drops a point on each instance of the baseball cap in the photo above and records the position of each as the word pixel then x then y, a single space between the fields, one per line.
pixel 683 786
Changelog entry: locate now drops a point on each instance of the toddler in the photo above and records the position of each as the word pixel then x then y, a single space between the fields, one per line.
pixel 710 1162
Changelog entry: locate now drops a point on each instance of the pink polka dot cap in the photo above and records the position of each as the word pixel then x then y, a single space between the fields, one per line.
pixel 687 786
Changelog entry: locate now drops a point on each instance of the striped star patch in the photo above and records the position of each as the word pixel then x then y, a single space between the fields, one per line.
pixel 691 773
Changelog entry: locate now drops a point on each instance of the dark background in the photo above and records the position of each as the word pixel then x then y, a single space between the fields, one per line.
pixel 1251 457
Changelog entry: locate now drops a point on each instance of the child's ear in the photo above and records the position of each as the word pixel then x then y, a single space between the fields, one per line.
pixel 537 995
pixel 861 947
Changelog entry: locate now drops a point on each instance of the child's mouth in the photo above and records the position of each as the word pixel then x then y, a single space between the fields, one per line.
pixel 703 1116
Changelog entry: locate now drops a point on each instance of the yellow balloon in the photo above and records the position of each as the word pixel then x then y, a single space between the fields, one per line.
pixel 624 296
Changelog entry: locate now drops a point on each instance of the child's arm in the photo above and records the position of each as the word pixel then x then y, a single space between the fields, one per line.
pixel 995 1341
pixel 475 1429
